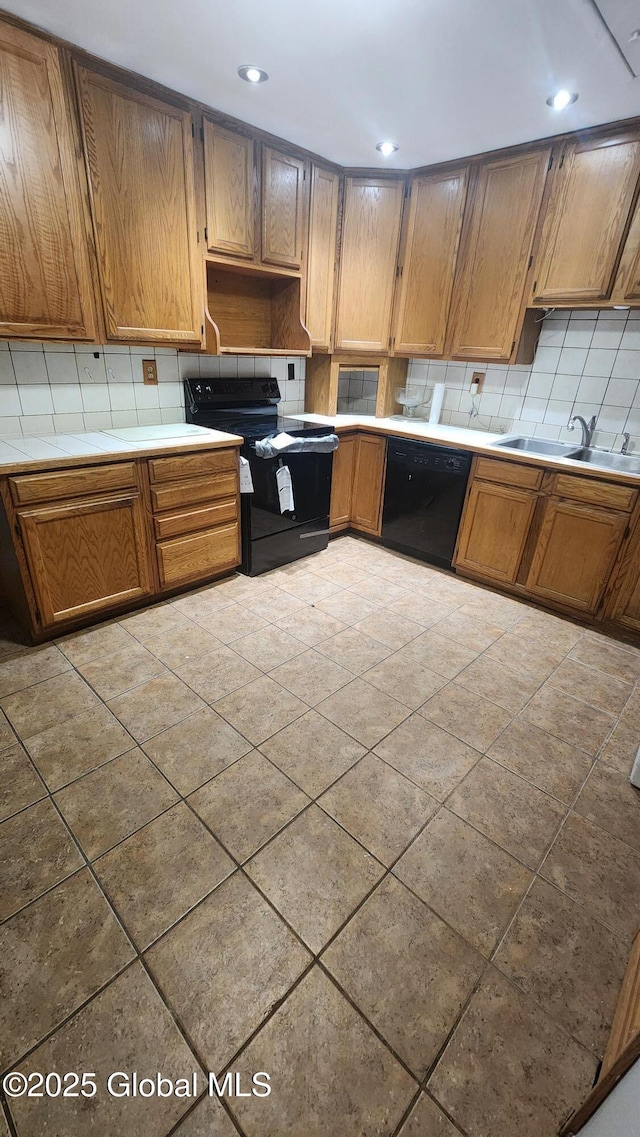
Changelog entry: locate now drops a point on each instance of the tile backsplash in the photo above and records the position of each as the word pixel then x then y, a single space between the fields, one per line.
pixel 357 392
pixel 587 363
pixel 65 388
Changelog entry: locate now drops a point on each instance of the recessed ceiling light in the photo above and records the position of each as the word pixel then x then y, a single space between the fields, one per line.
pixel 561 100
pixel 387 148
pixel 252 74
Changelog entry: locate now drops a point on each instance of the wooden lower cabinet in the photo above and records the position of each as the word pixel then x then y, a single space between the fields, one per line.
pixel 197 555
pixel 575 552
pixel 357 483
pixel 554 537
pixel 86 556
pixel 494 530
pixel 623 605
pixel 80 542
pixel 342 482
pixel 368 483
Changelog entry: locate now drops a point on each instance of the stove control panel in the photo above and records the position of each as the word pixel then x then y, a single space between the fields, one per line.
pixel 239 392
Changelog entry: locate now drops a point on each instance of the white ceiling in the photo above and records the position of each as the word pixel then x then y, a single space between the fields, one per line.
pixel 443 78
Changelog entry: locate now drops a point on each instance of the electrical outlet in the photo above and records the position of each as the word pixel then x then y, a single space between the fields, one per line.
pixel 291 370
pixel 477 379
pixel 150 372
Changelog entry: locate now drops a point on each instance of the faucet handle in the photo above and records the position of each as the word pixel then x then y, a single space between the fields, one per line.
pixel 626 439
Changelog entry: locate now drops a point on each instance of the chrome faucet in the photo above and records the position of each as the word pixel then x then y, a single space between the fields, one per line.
pixel 587 428
pixel 626 439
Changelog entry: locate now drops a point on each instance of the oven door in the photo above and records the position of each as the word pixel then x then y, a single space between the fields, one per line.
pixel 311 483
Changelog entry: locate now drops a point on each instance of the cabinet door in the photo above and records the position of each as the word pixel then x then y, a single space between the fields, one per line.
pixel 494 528
pixel 428 261
pixel 342 482
pixel 626 289
pixel 229 181
pixel 575 552
pixel 585 220
pixel 199 555
pixel 321 260
pixel 366 500
pixel 45 283
pixel 370 232
pixel 86 556
pixel 140 163
pixel 623 606
pixel 498 235
pixel 282 209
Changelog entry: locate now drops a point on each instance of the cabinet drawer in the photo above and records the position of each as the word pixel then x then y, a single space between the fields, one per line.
pixel 60 484
pixel 508 473
pixel 190 493
pixel 593 492
pixel 191 520
pixel 191 465
pixel 198 555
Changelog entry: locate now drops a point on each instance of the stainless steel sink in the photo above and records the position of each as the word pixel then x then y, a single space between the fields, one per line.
pixel 626 463
pixel 540 446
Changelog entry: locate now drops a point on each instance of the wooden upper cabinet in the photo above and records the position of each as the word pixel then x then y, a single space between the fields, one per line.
pixel 626 289
pixel 321 259
pixel 45 282
pixel 140 162
pixel 433 220
pixel 230 185
pixel 282 209
pixel 585 220
pixel 370 232
pixel 488 303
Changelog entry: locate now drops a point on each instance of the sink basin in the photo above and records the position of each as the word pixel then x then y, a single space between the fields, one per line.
pixel 626 463
pixel 540 446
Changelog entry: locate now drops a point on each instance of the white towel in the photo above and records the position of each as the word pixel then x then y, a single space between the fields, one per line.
pixel 285 489
pixel 246 481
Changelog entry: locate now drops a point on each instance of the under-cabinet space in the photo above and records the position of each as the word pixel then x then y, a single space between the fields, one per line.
pixel 349 384
pixel 253 312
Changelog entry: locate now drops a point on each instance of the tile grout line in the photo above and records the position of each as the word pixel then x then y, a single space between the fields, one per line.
pixel 312 801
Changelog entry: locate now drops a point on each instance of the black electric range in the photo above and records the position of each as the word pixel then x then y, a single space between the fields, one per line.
pixel 249 407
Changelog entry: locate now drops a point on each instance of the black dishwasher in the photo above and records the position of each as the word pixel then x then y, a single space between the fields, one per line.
pixel 423 499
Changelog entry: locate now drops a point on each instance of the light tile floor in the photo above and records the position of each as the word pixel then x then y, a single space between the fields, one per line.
pixel 358 824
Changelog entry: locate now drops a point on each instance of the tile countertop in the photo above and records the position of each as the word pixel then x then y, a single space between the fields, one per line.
pixel 478 441
pixel 21 453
